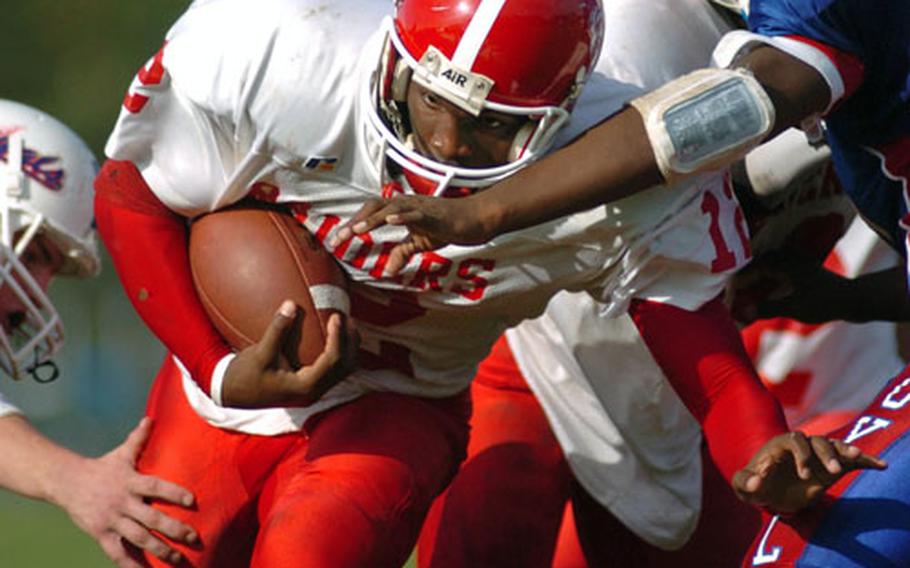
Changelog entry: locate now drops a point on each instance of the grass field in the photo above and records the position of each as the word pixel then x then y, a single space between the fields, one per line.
pixel 37 535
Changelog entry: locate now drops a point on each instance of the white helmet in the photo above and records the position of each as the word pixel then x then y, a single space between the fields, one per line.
pixel 46 175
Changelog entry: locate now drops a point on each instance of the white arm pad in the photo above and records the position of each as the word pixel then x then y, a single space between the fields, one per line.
pixel 218 377
pixel 705 120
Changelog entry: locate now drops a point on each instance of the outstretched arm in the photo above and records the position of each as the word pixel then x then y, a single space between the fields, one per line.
pixel 611 161
pixel 810 293
pixel 105 497
pixel 701 354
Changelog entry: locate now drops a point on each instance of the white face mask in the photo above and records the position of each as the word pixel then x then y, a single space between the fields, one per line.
pixel 28 346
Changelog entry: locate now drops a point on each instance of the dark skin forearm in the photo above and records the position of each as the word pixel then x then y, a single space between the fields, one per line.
pixel 529 197
pixel 796 89
pixel 611 161
pixel 880 296
pixel 615 160
pixel 810 293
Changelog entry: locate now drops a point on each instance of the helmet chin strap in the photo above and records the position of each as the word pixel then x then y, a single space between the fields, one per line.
pixel 43 372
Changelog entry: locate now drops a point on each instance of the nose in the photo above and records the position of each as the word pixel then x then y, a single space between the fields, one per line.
pixel 450 141
pixel 43 276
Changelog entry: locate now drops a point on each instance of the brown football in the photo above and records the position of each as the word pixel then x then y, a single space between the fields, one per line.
pixel 246 259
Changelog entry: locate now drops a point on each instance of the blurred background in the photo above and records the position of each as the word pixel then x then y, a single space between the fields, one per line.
pixel 75 60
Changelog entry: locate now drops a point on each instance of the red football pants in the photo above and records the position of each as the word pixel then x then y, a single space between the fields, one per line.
pixel 351 490
pixel 724 532
pixel 505 505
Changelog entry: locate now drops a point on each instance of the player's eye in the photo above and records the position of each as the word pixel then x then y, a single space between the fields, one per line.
pixel 28 257
pixel 38 253
pixel 499 123
pixel 431 99
pixel 491 122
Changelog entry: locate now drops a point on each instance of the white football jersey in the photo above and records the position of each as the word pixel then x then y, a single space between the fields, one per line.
pixel 627 436
pixel 270 98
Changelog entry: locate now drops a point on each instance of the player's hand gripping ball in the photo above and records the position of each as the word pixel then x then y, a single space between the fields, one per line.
pixel 247 259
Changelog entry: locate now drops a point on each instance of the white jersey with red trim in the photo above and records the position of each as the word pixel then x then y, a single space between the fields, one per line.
pixel 269 99
pixel 627 436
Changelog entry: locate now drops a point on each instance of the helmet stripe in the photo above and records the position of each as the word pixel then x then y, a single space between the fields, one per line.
pixel 476 33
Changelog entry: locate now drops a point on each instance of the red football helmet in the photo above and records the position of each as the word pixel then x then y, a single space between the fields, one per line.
pixel 522 57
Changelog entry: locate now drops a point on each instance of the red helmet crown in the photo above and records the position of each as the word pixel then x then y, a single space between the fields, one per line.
pixel 528 58
pixel 536 52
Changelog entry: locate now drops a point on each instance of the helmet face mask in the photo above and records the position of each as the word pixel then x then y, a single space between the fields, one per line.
pixel 483 61
pixel 46 175
pixel 34 332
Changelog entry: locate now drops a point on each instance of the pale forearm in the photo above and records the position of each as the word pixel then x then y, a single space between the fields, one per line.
pixel 32 465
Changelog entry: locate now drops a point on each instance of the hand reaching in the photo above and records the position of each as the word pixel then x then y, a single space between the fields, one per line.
pixel 260 377
pixel 791 471
pixel 433 222
pixel 782 286
pixel 108 499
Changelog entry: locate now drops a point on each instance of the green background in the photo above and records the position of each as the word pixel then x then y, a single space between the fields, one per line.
pixel 75 59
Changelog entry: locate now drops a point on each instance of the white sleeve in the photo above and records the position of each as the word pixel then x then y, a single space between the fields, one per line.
pixel 7 408
pixel 184 122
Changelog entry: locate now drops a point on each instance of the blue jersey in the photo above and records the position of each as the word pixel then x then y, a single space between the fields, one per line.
pixel 864 519
pixel 867 43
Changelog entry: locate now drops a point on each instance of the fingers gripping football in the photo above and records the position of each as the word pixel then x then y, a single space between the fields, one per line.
pixel 261 377
pixel 249 260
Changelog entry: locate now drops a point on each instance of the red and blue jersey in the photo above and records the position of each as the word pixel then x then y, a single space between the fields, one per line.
pixel 867 45
pixel 864 519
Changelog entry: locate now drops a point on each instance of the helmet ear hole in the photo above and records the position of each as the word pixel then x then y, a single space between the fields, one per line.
pixel 401 77
pixel 520 142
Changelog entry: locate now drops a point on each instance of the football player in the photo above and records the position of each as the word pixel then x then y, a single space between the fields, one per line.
pixel 862 520
pixel 630 444
pixel 46 174
pixel 803 61
pixel 311 106
pixel 603 423
pixel 830 58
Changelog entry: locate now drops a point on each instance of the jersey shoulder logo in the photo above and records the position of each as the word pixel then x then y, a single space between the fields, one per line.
pixel 45 170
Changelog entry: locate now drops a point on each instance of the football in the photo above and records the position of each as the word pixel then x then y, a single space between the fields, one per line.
pixel 247 259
